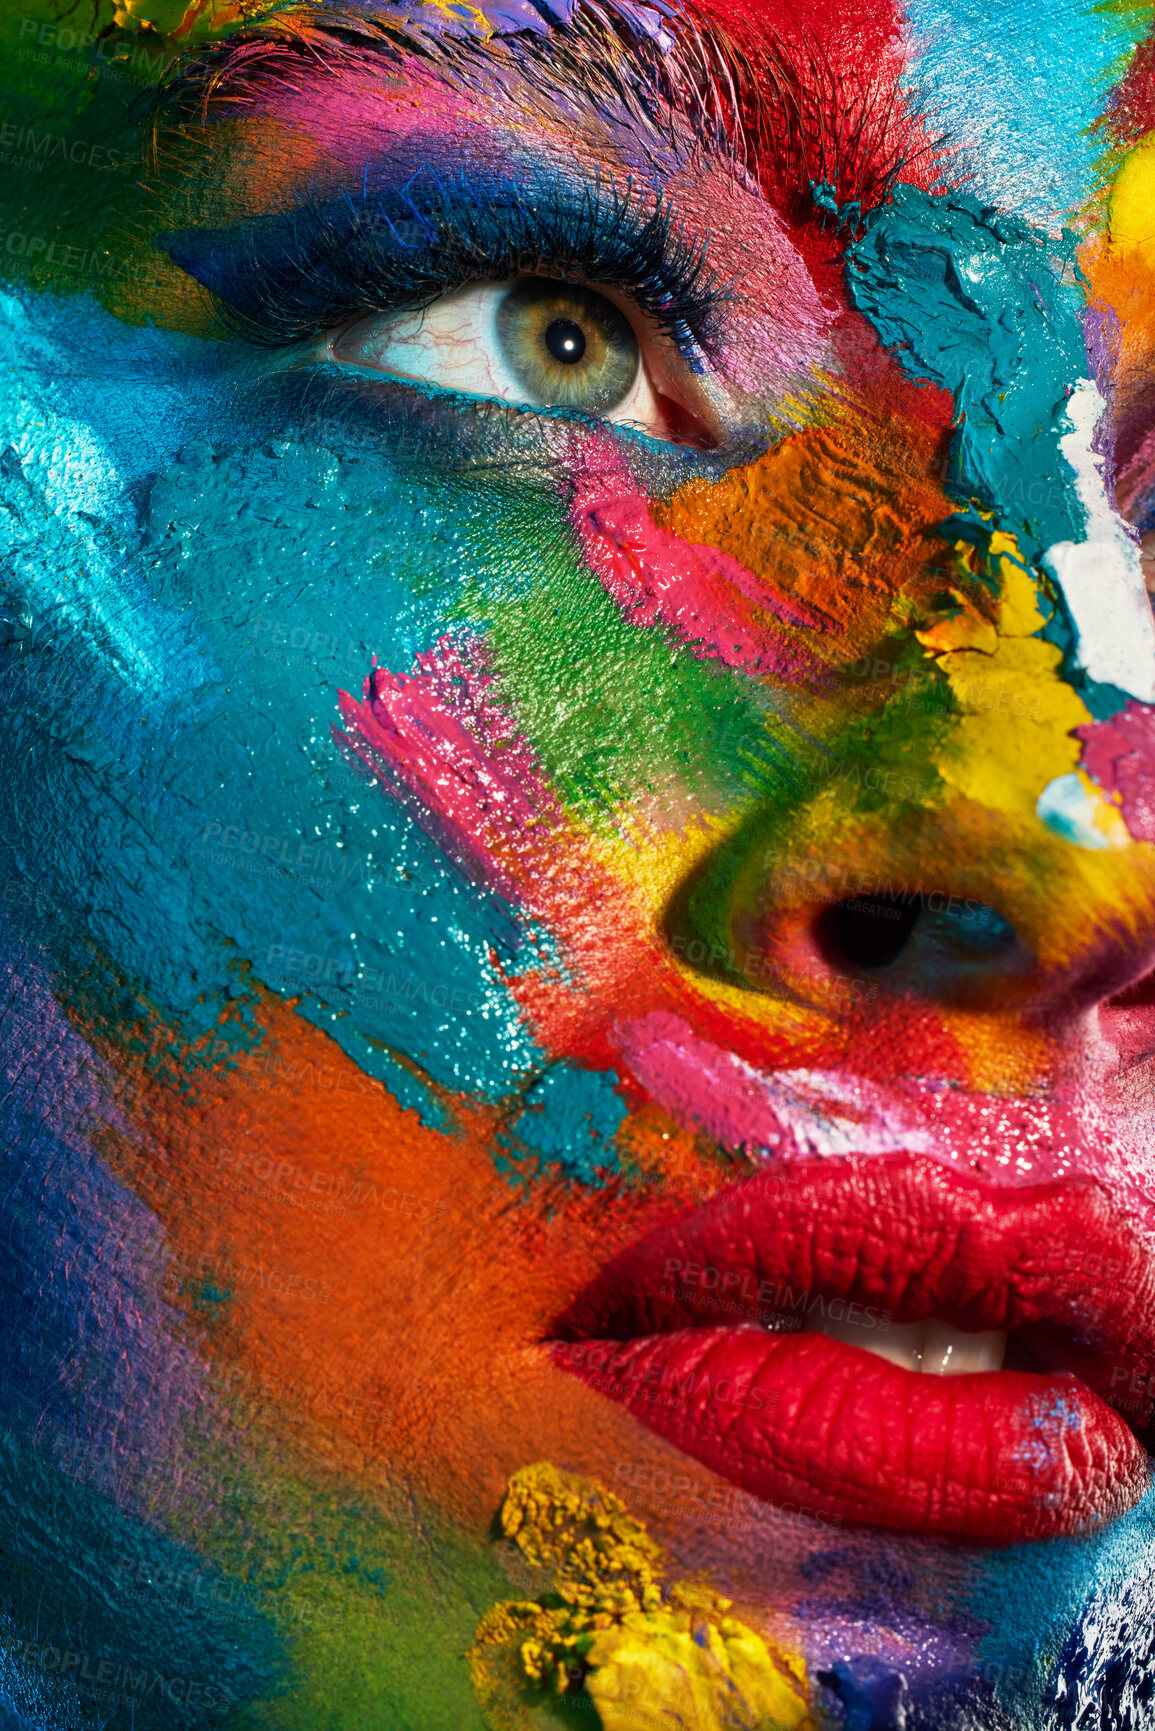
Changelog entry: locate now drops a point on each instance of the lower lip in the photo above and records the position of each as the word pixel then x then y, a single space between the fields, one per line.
pixel 992 1458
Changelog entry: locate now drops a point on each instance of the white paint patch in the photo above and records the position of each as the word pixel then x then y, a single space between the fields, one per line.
pixel 1068 808
pixel 829 1113
pixel 1101 578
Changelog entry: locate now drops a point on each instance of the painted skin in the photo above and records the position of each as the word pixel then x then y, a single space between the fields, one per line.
pixel 373 1013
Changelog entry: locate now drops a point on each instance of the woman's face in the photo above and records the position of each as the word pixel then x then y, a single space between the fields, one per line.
pixel 579 721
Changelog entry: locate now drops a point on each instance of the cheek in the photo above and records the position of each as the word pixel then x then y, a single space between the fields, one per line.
pixel 291 570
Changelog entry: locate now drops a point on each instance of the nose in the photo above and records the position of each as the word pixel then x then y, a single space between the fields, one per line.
pixel 955 839
pixel 964 906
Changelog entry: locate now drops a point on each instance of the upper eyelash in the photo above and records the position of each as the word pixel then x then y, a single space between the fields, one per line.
pixel 283 279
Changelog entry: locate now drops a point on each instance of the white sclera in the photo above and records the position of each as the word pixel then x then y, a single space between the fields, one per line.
pixel 453 344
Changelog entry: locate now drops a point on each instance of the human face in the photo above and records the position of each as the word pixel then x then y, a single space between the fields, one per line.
pixel 579 819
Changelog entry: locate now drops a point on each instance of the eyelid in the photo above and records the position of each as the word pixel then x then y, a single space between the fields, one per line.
pixel 281 279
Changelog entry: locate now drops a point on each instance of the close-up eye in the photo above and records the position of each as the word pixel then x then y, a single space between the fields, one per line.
pixel 537 342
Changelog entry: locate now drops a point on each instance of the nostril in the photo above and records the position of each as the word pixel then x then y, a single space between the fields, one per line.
pixel 873 931
pixel 866 931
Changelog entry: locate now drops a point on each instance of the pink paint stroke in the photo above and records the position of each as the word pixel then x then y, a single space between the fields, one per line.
pixel 1120 755
pixel 454 756
pixel 720 608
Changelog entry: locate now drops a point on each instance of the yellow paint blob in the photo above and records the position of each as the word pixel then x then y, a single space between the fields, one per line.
pixel 1131 208
pixel 1014 679
pixel 604 1622
pixel 184 21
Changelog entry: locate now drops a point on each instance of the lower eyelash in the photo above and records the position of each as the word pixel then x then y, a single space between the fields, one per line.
pixel 482 436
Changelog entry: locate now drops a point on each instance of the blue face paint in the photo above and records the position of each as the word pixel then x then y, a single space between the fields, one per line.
pixel 1062 1614
pixel 570 1120
pixel 205 632
pixel 1017 92
pixel 984 306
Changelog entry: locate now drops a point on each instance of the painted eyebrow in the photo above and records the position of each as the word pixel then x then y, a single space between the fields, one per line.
pixel 662 85
pixel 794 112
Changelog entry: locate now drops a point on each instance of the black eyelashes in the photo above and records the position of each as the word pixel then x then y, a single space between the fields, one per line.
pixel 280 280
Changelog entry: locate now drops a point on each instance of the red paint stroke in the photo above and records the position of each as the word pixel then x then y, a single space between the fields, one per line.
pixel 820 98
pixel 1131 112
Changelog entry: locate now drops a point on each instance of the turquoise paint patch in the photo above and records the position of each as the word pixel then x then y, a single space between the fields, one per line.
pixel 1015 87
pixel 570 1119
pixel 984 306
pixel 1068 808
pixel 1033 1596
pixel 174 777
pixel 1106 1671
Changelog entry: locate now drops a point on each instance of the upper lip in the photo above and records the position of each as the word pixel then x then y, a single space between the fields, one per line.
pixel 1057 1263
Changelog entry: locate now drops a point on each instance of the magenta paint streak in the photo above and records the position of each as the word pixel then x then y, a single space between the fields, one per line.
pixel 804 1113
pixel 699 1083
pixel 1120 755
pixel 453 755
pixel 707 597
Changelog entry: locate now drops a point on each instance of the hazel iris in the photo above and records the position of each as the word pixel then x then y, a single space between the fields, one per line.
pixel 566 346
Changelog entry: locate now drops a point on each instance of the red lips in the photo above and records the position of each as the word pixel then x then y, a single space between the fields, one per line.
pixel 675 1328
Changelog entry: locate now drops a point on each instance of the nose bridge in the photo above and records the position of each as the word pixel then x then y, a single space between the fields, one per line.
pixel 986 621
pixel 969 831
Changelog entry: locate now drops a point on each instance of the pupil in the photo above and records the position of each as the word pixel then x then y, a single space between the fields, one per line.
pixel 565 341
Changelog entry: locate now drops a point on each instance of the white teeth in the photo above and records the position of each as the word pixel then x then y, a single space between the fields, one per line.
pixel 930 1347
pixel 950 1352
